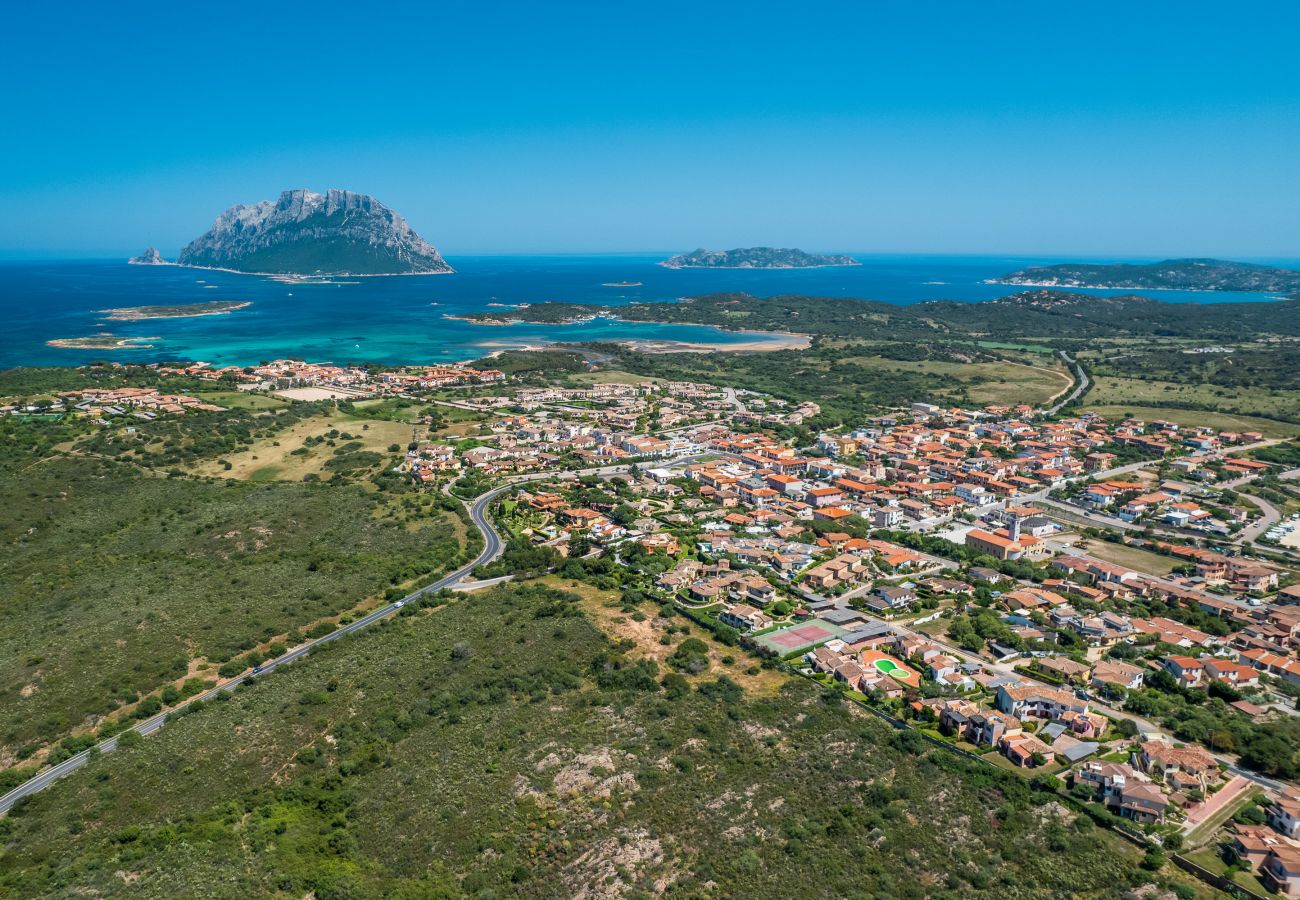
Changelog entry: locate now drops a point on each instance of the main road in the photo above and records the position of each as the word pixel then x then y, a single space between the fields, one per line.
pixel 1081 384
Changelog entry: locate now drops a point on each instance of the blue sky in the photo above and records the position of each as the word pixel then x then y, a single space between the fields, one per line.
pixel 1081 129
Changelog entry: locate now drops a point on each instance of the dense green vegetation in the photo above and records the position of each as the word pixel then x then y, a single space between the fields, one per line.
pixel 846 391
pixel 1271 367
pixel 1268 747
pixel 550 362
pixel 113 579
pixel 1287 454
pixel 1065 319
pixel 501 746
pixel 1168 274
pixel 36 382
pixel 178 440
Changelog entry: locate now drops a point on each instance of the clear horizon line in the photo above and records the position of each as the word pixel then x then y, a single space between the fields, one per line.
pixel 9 257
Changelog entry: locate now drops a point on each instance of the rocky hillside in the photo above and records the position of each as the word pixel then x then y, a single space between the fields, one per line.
pixel 755 258
pixel 304 233
pixel 1170 274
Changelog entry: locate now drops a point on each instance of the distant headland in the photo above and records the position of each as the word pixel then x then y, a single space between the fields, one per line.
pixel 1167 275
pixel 755 258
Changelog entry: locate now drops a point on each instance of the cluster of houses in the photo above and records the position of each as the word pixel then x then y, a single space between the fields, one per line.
pixel 615 423
pixel 288 373
pixel 1158 776
pixel 141 402
pixel 426 462
pixel 1172 503
pixel 1273 850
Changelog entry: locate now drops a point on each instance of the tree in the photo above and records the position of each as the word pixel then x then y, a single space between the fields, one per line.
pixel 1154 860
pixel 1269 754
pixel 675 686
pixel 691 656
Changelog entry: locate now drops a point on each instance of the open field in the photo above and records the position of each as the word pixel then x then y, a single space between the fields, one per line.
pixel 305 447
pixel 612 376
pixel 458 423
pixel 317 393
pixel 114 581
pixel 1132 557
pixel 1241 402
pixel 241 399
pixel 990 382
pixel 1003 345
pixel 1190 417
pixel 502 746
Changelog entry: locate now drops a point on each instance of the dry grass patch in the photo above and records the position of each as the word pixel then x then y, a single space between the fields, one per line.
pixel 1131 557
pixel 1003 381
pixel 606 610
pixel 276 459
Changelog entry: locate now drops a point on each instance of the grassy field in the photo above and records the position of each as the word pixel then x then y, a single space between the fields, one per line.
pixel 1132 557
pixel 292 453
pixel 1209 858
pixel 611 376
pixel 1003 381
pixel 114 581
pixel 501 746
pixel 1003 345
pixel 1229 402
pixel 1190 417
pixel 458 423
pixel 241 399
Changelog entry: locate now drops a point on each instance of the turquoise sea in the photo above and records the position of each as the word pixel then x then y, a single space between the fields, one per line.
pixel 402 319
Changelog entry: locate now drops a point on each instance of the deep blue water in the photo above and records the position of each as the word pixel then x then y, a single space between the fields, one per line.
pixel 402 319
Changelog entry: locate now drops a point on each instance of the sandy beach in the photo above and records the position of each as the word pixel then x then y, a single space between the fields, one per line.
pixel 762 342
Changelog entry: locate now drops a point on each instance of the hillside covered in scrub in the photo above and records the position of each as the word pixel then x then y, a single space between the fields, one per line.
pixel 500 745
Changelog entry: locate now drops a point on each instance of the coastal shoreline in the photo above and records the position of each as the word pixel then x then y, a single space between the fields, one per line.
pixel 291 275
pixel 103 342
pixel 1114 287
pixel 761 342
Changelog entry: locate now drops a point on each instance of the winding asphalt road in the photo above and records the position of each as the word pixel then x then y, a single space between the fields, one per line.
pixel 1080 386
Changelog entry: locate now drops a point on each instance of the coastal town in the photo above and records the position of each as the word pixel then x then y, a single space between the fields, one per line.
pixel 1077 599
pixel 592 452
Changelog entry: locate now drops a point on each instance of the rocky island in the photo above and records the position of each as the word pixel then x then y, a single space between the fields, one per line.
pixel 103 341
pixel 1167 275
pixel 547 313
pixel 755 258
pixel 178 311
pixel 305 233
pixel 150 257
